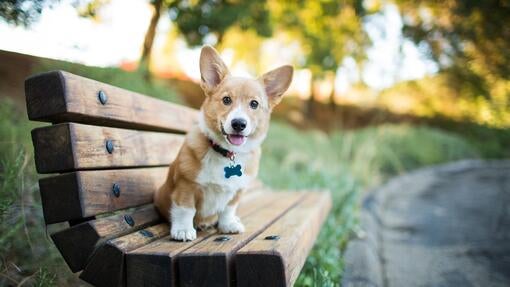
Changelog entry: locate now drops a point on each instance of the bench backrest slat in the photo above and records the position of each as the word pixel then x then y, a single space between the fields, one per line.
pixel 84 194
pixel 70 146
pixel 63 97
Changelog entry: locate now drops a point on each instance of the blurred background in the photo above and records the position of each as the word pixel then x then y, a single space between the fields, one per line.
pixel 380 88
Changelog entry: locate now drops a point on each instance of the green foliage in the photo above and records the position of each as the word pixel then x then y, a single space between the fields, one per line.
pixel 490 142
pixel 435 97
pixel 22 12
pixel 460 31
pixel 23 244
pixel 328 30
pixel 197 19
pixel 44 278
pixel 15 156
pixel 470 40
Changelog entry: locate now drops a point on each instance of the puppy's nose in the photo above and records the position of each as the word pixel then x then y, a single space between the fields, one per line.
pixel 238 125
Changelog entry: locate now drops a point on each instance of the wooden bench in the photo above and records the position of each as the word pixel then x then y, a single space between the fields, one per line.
pixel 112 148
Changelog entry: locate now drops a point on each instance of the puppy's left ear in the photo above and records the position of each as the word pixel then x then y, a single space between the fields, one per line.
pixel 276 82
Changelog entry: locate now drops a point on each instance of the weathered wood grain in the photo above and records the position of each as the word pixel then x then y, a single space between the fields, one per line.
pixel 106 266
pixel 71 146
pixel 264 262
pixel 209 262
pixel 60 96
pixel 155 263
pixel 77 242
pixel 83 194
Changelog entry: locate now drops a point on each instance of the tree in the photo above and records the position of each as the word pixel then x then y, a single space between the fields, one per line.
pixel 197 19
pixel 151 32
pixel 328 30
pixel 470 41
pixel 22 12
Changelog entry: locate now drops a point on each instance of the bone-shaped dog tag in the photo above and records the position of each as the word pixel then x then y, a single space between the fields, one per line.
pixel 233 170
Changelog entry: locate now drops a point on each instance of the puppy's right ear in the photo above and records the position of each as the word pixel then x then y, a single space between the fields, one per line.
pixel 212 69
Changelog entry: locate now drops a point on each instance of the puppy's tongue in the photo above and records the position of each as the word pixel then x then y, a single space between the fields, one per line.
pixel 236 139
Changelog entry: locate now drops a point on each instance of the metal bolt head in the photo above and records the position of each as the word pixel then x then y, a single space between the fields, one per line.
pixel 272 237
pixel 129 220
pixel 222 238
pixel 109 146
pixel 101 95
pixel 116 190
pixel 146 233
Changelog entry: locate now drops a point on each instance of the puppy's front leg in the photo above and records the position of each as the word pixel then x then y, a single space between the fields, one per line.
pixel 182 213
pixel 228 222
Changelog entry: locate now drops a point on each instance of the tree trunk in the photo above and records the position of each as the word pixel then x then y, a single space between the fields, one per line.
pixel 310 103
pixel 149 37
pixel 331 102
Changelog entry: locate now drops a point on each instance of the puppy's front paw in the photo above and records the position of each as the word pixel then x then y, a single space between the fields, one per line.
pixel 233 225
pixel 205 226
pixel 181 234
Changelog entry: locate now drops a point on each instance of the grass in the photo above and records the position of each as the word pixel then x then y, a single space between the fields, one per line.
pixel 347 163
pixel 26 255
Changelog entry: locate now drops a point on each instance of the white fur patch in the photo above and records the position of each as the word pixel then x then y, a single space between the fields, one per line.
pixel 228 222
pixel 181 219
pixel 237 113
pixel 218 190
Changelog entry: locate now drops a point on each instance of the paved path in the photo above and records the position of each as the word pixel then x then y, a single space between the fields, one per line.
pixel 443 226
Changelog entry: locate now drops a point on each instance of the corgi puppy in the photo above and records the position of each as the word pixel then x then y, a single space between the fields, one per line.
pixel 220 155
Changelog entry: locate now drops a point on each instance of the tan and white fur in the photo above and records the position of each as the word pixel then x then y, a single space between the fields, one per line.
pixel 235 115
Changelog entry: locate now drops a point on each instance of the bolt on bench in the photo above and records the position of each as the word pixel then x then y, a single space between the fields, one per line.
pixel 112 148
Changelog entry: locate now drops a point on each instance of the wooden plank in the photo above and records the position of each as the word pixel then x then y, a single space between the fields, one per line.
pixel 71 146
pixel 77 243
pixel 209 262
pixel 106 266
pixel 59 97
pixel 83 194
pixel 154 264
pixel 269 263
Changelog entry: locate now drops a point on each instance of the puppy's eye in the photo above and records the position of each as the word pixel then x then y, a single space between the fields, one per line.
pixel 254 104
pixel 227 100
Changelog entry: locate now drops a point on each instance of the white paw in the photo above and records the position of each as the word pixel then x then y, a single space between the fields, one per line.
pixel 181 234
pixel 233 225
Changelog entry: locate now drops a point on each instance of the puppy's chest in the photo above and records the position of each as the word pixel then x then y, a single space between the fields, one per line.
pixel 212 173
pixel 217 189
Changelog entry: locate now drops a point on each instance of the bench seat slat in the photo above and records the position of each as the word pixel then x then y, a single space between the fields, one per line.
pixel 154 264
pixel 106 267
pixel 77 243
pixel 60 96
pixel 71 146
pixel 278 262
pixel 210 261
pixel 83 194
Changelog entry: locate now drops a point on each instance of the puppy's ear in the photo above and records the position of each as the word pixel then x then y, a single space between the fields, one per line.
pixel 212 69
pixel 276 82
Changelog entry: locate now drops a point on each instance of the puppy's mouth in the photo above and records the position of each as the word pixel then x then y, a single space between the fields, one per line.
pixel 233 139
